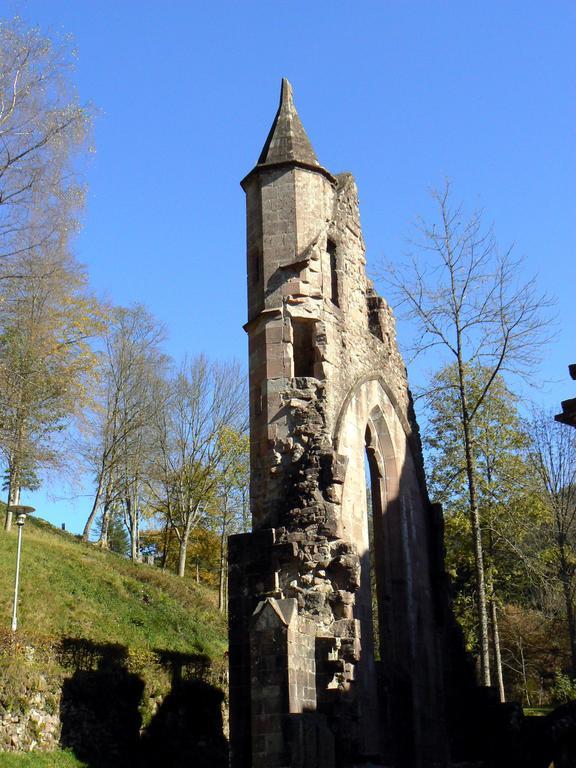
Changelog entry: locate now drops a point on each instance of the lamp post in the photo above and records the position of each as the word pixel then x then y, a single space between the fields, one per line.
pixel 21 513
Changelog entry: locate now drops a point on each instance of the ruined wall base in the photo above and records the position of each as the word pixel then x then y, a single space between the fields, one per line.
pixel 294 656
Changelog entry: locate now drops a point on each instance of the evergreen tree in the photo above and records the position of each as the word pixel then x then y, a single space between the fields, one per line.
pixel 112 528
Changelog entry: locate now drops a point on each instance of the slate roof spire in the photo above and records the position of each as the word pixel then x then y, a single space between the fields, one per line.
pixel 287 140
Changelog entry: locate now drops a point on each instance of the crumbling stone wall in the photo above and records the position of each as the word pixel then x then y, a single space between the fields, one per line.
pixel 328 390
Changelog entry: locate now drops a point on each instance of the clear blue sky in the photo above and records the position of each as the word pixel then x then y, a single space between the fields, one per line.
pixel 403 94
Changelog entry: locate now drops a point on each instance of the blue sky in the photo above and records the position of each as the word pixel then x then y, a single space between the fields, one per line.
pixel 401 93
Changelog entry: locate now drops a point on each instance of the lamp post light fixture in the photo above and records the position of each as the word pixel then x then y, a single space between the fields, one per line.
pixel 21 512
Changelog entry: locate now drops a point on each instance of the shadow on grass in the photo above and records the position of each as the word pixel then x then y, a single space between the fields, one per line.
pixel 101 722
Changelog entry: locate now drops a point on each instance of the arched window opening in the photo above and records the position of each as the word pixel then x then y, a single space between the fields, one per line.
pixel 373 478
pixel 372 562
pixel 366 600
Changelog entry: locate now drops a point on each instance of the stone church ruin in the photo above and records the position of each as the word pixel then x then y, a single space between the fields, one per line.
pixel 338 607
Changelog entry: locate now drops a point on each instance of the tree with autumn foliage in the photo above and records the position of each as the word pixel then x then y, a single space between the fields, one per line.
pixel 206 398
pixel 48 319
pixel 47 315
pixel 232 499
pixel 223 511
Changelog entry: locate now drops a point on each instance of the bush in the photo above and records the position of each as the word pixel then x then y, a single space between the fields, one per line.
pixel 564 689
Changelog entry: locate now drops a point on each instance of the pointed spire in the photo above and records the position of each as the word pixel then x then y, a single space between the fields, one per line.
pixel 287 140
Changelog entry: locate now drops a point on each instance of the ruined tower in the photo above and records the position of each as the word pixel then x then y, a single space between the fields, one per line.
pixel 334 610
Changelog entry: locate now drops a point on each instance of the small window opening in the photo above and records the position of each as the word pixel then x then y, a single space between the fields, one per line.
pixel 303 347
pixel 331 248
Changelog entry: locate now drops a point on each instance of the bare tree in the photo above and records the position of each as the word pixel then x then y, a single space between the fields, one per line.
pixel 553 458
pixel 466 300
pixel 206 398
pixel 42 127
pixel 117 452
pixel 42 130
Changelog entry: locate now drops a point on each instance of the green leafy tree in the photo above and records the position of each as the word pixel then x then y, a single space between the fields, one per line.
pixel 48 320
pixel 113 530
pixel 500 474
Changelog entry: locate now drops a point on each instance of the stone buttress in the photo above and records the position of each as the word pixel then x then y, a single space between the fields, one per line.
pixel 335 606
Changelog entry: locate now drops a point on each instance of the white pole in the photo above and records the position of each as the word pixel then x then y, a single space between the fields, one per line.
pixel 17 582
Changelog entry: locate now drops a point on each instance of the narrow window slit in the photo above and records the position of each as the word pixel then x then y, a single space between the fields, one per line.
pixel 331 248
pixel 304 351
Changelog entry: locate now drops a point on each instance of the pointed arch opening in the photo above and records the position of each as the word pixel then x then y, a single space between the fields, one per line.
pixel 381 491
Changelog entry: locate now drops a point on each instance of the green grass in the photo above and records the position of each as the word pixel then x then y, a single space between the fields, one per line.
pixel 71 589
pixel 40 760
pixel 538 711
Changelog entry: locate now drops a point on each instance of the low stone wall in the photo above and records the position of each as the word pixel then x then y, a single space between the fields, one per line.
pixel 106 702
pixel 30 689
pixel 35 729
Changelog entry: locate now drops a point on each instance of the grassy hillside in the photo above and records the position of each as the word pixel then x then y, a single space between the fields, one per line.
pixel 40 760
pixel 113 656
pixel 71 589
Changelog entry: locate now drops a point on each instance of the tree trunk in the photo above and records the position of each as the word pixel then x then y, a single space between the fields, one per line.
pixel 222 580
pixel 13 498
pixel 182 556
pixel 166 544
pixel 183 547
pixel 14 467
pixel 493 606
pixel 524 676
pixel 496 650
pixel 8 518
pixel 132 517
pixel 103 540
pixel 135 542
pixel 106 513
pixel 476 536
pixel 94 510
